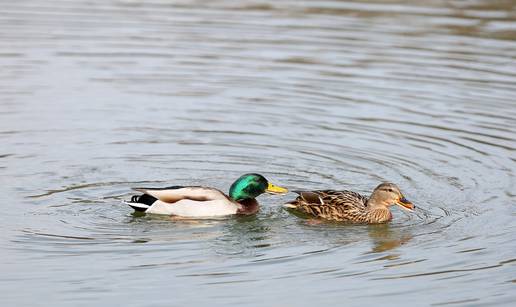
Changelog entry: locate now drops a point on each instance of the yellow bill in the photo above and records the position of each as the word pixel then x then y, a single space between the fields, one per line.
pixel 274 189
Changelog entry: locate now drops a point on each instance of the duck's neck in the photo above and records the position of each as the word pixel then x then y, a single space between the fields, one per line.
pixel 248 206
pixel 378 212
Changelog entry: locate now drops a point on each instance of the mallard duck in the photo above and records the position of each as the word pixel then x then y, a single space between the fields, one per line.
pixel 198 201
pixel 350 206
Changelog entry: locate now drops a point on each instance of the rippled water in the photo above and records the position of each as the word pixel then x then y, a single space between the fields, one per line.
pixel 98 96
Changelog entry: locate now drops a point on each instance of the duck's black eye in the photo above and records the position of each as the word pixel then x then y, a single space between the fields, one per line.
pixel 390 190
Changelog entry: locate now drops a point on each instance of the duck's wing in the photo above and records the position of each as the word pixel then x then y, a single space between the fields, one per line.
pixel 330 204
pixel 177 193
pixel 331 197
pixel 344 199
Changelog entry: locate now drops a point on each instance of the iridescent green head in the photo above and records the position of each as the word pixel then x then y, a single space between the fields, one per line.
pixel 249 186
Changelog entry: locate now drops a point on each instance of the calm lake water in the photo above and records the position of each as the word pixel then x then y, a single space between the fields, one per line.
pixel 98 96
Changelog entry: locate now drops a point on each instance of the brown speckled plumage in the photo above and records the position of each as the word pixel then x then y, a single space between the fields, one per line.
pixel 350 206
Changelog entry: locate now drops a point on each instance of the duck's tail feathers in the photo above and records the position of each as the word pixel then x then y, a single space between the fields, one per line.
pixel 137 206
pixel 290 205
pixel 141 202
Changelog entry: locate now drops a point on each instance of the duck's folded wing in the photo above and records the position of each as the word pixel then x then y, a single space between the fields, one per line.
pixel 174 194
pixel 331 197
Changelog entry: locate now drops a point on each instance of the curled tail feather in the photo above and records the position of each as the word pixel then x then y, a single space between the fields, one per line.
pixel 141 202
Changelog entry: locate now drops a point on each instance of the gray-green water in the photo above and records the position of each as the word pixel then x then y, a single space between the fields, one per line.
pixel 98 96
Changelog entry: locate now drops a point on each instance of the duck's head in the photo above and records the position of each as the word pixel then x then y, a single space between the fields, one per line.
pixel 249 186
pixel 388 194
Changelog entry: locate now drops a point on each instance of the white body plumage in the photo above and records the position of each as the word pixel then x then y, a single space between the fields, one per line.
pixel 195 202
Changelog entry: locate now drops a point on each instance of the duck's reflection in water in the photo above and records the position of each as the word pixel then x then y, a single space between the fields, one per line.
pixel 386 237
pixel 249 234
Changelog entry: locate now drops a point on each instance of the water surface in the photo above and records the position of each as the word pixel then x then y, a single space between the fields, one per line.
pixel 98 96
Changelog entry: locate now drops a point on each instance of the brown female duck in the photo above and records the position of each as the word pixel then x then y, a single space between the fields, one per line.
pixel 350 206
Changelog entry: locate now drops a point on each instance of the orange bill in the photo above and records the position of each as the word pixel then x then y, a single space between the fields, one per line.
pixel 405 203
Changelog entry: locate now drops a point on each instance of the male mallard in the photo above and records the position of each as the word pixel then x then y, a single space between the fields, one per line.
pixel 350 206
pixel 196 201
